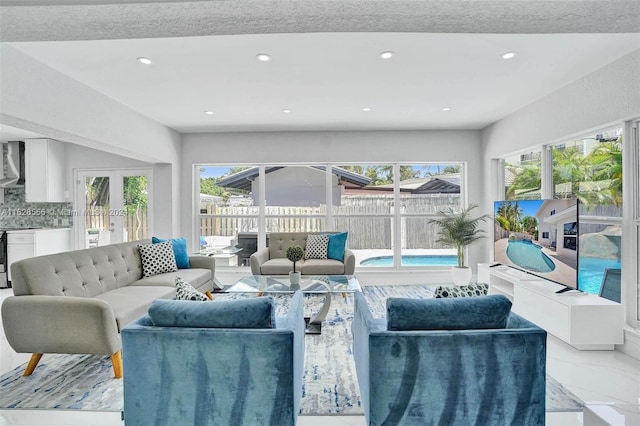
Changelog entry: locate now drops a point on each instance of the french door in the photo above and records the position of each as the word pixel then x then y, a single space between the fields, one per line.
pixel 112 206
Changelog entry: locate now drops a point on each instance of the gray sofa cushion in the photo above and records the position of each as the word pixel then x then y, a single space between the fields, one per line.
pixel 80 273
pixel 131 302
pixel 322 267
pixel 280 266
pixel 197 277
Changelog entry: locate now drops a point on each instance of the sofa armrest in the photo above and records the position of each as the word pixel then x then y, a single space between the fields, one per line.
pixel 60 324
pixel 349 262
pixel 205 262
pixel 257 259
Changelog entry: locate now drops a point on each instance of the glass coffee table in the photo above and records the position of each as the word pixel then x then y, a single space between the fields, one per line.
pixel 309 284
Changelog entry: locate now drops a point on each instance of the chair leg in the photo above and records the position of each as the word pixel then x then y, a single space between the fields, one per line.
pixel 33 363
pixel 116 360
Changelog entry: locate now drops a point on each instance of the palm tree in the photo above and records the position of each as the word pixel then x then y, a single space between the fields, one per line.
pixel 459 229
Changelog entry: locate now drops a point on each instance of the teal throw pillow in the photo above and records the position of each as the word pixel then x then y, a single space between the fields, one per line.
pixel 179 250
pixel 258 312
pixel 464 313
pixel 337 246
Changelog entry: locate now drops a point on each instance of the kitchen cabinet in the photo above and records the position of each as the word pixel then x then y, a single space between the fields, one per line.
pixel 44 171
pixel 22 244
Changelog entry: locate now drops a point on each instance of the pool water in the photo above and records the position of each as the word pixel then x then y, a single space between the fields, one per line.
pixel 591 272
pixel 412 260
pixel 529 256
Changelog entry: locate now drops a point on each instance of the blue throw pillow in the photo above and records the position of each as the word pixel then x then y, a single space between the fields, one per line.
pixel 179 250
pixel 472 313
pixel 258 312
pixel 337 245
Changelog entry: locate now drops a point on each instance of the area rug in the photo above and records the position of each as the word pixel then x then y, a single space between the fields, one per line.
pixel 85 382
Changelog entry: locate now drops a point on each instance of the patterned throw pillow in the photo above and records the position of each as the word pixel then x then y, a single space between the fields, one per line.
pixel 157 258
pixel 471 290
pixel 317 246
pixel 185 291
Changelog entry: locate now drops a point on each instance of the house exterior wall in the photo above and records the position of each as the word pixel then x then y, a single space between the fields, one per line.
pixel 309 187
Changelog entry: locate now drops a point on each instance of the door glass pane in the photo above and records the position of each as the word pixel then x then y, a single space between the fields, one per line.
pixel 97 218
pixel 135 196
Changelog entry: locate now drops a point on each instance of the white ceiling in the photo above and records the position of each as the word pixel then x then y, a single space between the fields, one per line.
pixel 325 65
pixel 326 79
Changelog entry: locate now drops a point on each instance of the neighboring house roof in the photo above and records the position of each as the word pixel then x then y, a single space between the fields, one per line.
pixel 242 179
pixel 440 185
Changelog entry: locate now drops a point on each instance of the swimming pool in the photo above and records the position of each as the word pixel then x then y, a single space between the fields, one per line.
pixel 412 260
pixel 529 256
pixel 591 272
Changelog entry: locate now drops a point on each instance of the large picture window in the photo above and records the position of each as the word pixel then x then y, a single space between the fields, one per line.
pixel 356 198
pixel 590 169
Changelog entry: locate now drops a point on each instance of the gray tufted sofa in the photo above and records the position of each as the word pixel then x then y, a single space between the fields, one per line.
pixel 273 259
pixel 77 302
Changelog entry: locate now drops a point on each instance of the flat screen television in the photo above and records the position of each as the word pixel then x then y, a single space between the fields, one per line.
pixel 539 237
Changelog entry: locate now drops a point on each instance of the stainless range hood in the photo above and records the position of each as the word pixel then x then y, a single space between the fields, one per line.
pixel 15 166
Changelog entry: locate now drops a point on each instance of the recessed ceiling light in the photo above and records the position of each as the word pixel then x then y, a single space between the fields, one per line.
pixel 509 55
pixel 263 57
pixel 286 111
pixel 386 55
pixel 144 60
pixel 366 109
pixel 446 109
pixel 209 112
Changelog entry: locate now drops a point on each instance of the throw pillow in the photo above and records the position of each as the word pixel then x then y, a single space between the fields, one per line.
pixel 258 312
pixel 185 291
pixel 157 258
pixel 179 250
pixel 469 313
pixel 337 246
pixel 471 290
pixel 316 247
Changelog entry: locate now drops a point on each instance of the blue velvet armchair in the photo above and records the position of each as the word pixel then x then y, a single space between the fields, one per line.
pixel 449 362
pixel 214 363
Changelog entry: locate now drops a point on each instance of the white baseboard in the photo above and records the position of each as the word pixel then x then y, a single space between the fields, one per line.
pixel 631 345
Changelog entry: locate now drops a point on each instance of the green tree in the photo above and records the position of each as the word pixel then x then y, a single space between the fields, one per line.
pixel 527 177
pixel 530 225
pixel 135 198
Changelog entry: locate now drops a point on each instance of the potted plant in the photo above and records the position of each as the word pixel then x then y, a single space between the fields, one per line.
pixel 459 229
pixel 294 254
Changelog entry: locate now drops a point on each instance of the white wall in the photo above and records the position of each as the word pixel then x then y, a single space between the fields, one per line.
pixel 340 147
pixel 607 96
pixel 37 98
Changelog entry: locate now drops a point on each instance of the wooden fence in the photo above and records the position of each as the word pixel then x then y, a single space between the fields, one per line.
pixel 135 224
pixel 368 218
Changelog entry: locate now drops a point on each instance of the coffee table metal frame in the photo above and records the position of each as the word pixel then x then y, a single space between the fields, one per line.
pixel 309 284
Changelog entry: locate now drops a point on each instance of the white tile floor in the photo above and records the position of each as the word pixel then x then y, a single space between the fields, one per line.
pixel 594 376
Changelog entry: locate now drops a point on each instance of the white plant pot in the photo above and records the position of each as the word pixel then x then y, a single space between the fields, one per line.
pixel 460 276
pixel 294 278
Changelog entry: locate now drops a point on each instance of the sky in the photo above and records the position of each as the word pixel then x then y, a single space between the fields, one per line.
pixel 528 207
pixel 217 171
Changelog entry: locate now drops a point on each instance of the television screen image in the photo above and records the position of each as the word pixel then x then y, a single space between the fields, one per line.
pixel 539 237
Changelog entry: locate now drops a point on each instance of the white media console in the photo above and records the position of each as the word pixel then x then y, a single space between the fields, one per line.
pixel 585 321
